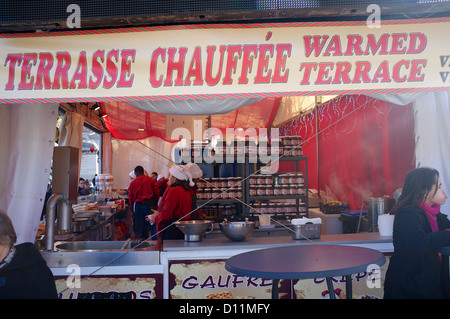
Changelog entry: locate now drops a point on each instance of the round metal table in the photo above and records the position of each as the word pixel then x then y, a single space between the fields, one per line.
pixel 305 262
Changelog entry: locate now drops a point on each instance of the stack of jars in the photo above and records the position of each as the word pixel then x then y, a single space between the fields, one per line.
pixel 287 184
pixel 219 188
pixel 291 146
pixel 218 210
pixel 291 184
pixel 284 208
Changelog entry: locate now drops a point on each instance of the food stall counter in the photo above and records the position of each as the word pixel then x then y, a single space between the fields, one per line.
pixel 199 267
pixel 367 239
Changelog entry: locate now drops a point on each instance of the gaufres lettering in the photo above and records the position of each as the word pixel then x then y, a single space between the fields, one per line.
pixel 228 281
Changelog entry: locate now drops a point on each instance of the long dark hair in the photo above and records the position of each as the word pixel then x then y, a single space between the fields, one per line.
pixel 183 183
pixel 418 184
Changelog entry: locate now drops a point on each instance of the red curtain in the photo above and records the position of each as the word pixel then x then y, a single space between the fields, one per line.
pixel 126 122
pixel 362 147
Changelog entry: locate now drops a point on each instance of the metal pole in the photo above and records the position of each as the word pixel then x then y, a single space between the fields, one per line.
pixel 50 219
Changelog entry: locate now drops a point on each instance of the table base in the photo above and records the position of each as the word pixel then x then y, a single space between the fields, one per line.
pixel 348 287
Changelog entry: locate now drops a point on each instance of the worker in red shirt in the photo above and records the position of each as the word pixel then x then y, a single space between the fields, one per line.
pixel 142 199
pixel 196 173
pixel 175 204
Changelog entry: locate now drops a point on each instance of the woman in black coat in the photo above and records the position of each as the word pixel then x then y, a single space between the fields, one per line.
pixel 23 272
pixel 417 269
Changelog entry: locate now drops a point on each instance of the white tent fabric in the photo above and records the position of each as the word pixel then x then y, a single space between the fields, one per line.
pixel 27 136
pixel 432 134
pixel 194 107
pixel 152 153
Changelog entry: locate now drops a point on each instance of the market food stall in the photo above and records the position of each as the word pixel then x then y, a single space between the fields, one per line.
pixel 241 77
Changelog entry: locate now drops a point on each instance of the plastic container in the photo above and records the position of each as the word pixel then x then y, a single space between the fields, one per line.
pixel 264 219
pixel 306 231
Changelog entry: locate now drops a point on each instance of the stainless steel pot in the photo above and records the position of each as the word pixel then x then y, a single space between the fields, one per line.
pixel 64 221
pixel 93 215
pixel 194 230
pixel 237 231
pixel 377 206
pixel 79 225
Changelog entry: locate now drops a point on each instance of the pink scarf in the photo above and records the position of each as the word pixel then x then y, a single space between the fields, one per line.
pixel 431 212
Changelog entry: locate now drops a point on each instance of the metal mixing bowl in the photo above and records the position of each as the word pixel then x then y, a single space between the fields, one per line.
pixel 193 229
pixel 237 231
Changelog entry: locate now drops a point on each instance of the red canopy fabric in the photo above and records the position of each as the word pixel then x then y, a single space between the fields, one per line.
pixel 126 122
pixel 365 147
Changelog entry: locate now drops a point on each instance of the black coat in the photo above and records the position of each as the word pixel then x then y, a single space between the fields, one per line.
pixel 27 276
pixel 415 269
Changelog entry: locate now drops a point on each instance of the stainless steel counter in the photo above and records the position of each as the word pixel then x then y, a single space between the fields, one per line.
pixel 100 231
pixel 219 243
pixel 154 263
pixel 60 259
pixel 214 251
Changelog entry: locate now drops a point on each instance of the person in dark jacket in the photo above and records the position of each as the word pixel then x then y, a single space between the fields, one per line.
pixel 417 270
pixel 23 272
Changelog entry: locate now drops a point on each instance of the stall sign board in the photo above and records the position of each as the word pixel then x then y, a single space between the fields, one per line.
pixel 214 61
pixel 208 279
pixel 111 287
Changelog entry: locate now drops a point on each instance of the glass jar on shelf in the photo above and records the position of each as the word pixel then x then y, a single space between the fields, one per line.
pixel 300 178
pixel 293 189
pixel 269 190
pixel 268 179
pixel 264 208
pixel 260 190
pixel 285 190
pixel 223 193
pixel 207 193
pixel 215 193
pixel 277 190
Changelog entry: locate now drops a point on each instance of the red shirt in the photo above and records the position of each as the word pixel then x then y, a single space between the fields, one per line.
pixel 175 203
pixel 140 189
pixel 155 190
pixel 162 183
